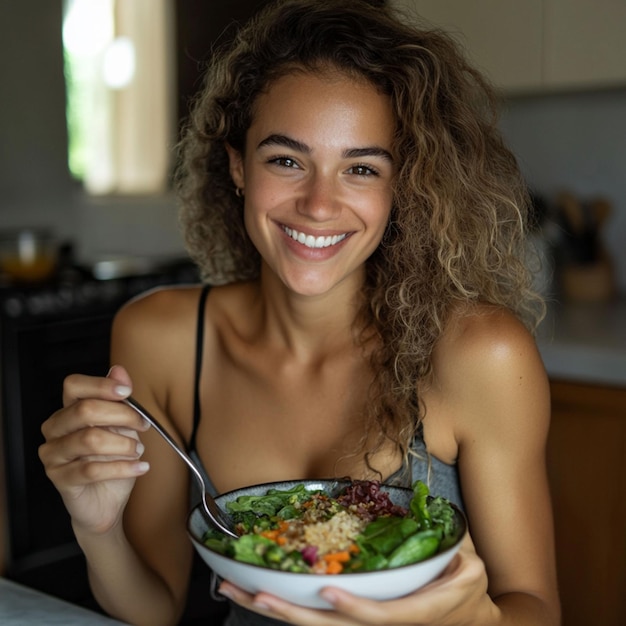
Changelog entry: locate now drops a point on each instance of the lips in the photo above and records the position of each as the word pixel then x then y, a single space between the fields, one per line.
pixel 310 241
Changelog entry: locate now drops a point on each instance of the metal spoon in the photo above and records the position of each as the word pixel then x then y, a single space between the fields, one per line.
pixel 213 512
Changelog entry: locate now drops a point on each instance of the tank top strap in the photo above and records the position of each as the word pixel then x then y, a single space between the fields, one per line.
pixel 198 367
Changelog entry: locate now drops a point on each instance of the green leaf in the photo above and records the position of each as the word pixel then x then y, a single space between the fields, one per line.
pixel 416 548
pixel 386 533
pixel 418 504
pixel 442 514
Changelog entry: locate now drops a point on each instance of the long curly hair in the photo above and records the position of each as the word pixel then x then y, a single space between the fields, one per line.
pixel 456 235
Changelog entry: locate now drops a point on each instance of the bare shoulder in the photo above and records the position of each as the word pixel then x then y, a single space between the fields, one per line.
pixel 159 305
pixel 490 335
pixel 153 336
pixel 488 362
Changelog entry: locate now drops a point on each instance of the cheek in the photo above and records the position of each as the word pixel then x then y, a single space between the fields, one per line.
pixel 379 213
pixel 255 217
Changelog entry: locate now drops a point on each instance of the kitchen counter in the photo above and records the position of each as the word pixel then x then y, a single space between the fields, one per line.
pixel 21 605
pixel 585 343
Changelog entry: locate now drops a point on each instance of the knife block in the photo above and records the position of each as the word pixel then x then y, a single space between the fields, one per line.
pixel 590 282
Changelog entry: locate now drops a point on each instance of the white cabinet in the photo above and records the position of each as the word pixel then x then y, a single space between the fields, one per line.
pixel 584 43
pixel 503 38
pixel 535 45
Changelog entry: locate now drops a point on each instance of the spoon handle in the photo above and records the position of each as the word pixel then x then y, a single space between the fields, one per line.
pixel 212 510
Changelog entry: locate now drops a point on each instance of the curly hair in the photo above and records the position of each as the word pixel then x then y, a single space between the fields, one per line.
pixel 456 235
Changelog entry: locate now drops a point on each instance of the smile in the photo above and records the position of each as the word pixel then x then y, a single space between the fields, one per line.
pixel 314 242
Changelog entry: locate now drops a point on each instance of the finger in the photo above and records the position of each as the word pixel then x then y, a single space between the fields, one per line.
pixel 92 412
pixel 79 386
pixel 70 478
pixel 272 606
pixel 304 616
pixel 243 598
pixel 120 375
pixel 91 443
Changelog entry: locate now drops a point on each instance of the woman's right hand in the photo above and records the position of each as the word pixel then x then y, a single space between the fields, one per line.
pixel 92 449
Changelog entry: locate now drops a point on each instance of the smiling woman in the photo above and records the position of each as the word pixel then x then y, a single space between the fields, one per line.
pixel 367 313
pixel 317 171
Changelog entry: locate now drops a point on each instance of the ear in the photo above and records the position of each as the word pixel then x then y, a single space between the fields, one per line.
pixel 235 160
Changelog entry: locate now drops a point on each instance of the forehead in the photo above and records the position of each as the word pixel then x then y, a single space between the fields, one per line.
pixel 324 100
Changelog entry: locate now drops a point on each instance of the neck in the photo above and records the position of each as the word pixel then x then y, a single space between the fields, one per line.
pixel 308 326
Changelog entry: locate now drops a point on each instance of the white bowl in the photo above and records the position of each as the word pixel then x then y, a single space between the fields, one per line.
pixel 303 588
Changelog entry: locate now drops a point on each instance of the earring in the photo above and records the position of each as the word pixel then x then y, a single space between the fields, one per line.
pixel 239 192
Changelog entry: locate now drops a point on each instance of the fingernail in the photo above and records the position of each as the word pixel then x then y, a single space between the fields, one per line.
pixel 262 605
pixel 140 448
pixel 226 593
pixel 122 391
pixel 329 595
pixel 142 467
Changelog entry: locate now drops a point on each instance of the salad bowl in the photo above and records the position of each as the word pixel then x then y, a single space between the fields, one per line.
pixel 304 588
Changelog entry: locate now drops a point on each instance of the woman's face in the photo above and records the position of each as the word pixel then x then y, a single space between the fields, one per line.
pixel 317 176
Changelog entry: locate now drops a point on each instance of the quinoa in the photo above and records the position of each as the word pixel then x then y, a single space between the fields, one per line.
pixel 332 535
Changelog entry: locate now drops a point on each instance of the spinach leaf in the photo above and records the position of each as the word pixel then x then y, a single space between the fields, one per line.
pixel 386 533
pixel 418 504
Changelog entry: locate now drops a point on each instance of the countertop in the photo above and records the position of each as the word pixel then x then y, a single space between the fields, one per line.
pixel 21 605
pixel 585 342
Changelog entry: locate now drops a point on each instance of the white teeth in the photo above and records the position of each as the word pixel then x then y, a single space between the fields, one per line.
pixel 313 242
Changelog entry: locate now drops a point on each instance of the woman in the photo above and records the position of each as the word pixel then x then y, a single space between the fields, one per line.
pixel 345 192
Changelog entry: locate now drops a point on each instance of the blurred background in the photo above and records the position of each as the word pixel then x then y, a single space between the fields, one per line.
pixel 93 96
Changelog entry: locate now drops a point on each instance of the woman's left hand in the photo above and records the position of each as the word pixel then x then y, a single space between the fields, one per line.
pixel 457 598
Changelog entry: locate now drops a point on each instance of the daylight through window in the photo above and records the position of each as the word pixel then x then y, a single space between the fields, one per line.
pixel 120 96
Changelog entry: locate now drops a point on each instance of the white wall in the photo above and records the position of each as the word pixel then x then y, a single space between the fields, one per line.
pixel 575 142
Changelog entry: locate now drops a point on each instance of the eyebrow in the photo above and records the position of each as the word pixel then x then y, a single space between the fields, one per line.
pixel 299 146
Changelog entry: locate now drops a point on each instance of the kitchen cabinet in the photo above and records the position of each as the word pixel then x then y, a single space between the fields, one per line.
pixel 587 470
pixel 503 38
pixel 536 45
pixel 584 43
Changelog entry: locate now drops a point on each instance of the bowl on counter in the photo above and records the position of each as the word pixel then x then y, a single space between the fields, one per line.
pixel 28 255
pixel 304 588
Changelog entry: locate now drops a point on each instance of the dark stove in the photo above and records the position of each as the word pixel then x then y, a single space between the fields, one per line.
pixel 48 331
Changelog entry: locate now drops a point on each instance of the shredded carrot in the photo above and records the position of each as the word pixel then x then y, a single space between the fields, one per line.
pixel 337 557
pixel 280 540
pixel 270 534
pixel 354 549
pixel 334 567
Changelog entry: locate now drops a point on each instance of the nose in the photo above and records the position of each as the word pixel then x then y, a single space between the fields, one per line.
pixel 319 200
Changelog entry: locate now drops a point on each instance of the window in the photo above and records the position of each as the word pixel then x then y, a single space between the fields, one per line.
pixel 120 94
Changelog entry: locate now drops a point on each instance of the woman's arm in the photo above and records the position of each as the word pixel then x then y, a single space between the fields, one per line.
pixel 502 415
pixel 129 520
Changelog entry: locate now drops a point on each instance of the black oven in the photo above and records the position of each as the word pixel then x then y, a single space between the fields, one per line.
pixel 47 332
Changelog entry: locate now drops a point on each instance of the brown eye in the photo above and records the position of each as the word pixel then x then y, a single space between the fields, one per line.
pixel 363 170
pixel 284 162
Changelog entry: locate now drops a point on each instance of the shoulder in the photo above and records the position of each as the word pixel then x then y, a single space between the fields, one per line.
pixel 487 336
pixel 489 369
pixel 160 303
pixel 157 317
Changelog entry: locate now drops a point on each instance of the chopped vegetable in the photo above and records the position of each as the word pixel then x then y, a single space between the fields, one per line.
pixel 361 530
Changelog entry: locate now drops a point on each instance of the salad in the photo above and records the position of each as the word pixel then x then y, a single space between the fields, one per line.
pixel 358 530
